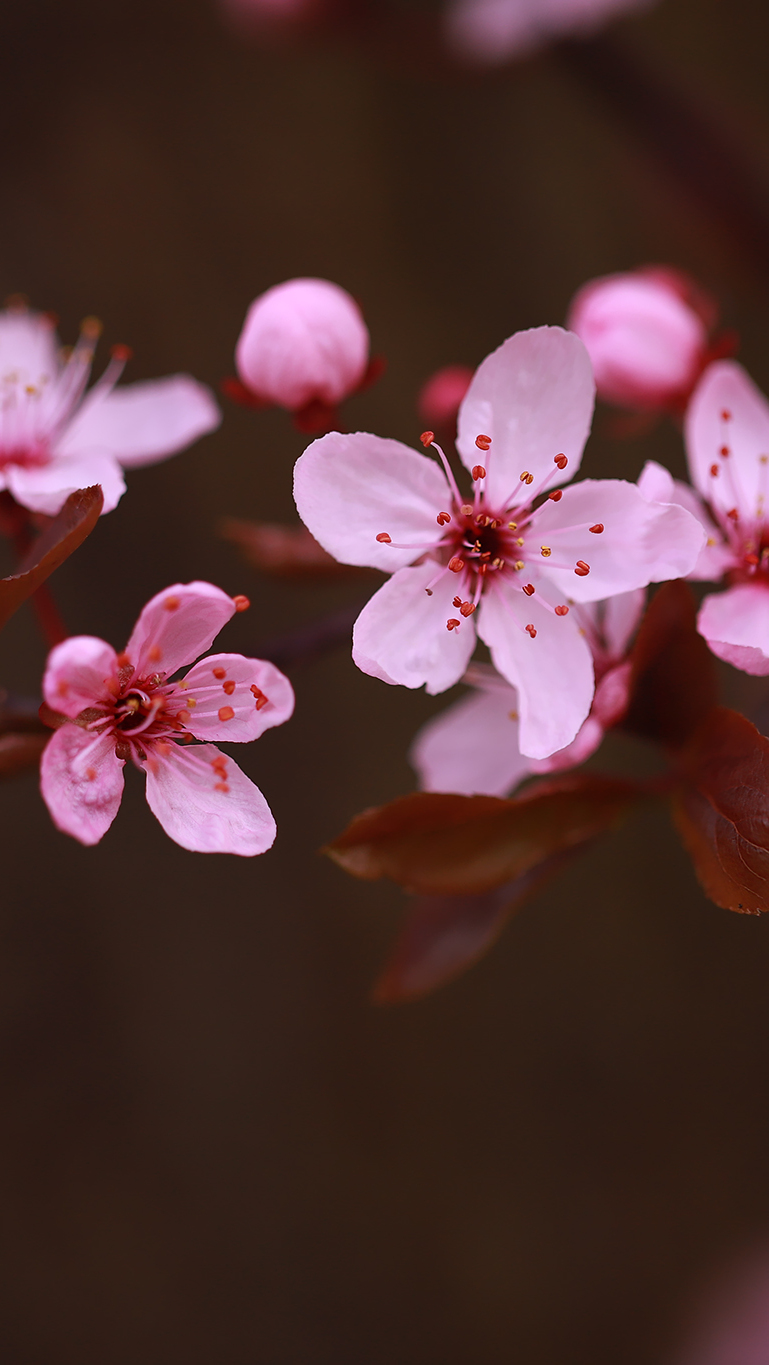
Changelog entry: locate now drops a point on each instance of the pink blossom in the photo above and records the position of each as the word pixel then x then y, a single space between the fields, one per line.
pixel 441 395
pixel 55 437
pixel 493 30
pixel 520 561
pixel 303 342
pixel 648 344
pixel 727 440
pixel 473 746
pixel 124 706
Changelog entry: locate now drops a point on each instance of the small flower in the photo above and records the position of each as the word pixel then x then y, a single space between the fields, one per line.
pixel 494 30
pixel 125 706
pixel 727 443
pixel 473 746
pixel 514 553
pixel 55 437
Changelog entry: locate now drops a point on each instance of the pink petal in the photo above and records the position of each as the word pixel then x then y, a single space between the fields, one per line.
pixel 207 804
pixel 177 626
pixel 247 714
pixel 642 542
pixel 735 624
pixel 620 618
pixel 140 424
pixel 725 387
pixel 553 672
pixel 401 634
pixel 494 30
pixel 534 397
pixel 715 557
pixel 28 346
pixel 82 782
pixel 45 488
pixel 612 695
pixel 78 674
pixel 472 746
pixel 589 737
pixel 350 489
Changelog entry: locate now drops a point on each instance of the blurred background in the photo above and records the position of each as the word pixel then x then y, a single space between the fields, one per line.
pixel 213 1148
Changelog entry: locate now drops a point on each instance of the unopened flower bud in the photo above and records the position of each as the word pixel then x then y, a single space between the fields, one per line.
pixel 441 395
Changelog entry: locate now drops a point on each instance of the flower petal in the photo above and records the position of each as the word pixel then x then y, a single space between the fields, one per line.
pixel 28 347
pixel 45 488
pixel 140 424
pixel 619 619
pixel 642 542
pixel 222 685
pixel 177 626
pixel 78 674
pixel 401 635
pixel 658 485
pixel 82 782
pixel 351 488
pixel 534 397
pixel 472 746
pixel 207 804
pixel 744 476
pixel 553 672
pixel 735 624
pixel 587 740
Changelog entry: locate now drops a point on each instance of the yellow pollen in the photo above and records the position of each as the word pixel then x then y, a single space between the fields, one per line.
pixel 526 477
pixel 519 564
pixel 512 715
pixel 466 509
pixel 763 459
pixel 545 551
pixel 710 541
pixel 512 526
pixel 519 541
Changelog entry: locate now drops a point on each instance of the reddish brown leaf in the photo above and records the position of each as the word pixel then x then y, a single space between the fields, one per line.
pixel 63 534
pixel 722 814
pixel 19 752
pixel 439 844
pixel 673 683
pixel 285 551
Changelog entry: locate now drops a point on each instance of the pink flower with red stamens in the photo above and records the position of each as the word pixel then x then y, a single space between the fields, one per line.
pixel 473 746
pixel 125 706
pixel 55 437
pixel 727 442
pixel 513 555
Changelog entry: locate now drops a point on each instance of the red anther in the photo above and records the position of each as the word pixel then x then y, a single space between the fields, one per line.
pixel 597 529
pixel 91 774
pixel 531 631
pixel 467 609
pixel 751 559
pixel 733 515
pixel 221 787
pixel 724 451
pixel 228 687
pixel 456 564
pixel 478 471
pixel 154 654
pixel 561 461
pixel 452 623
pixel 172 604
pixel 242 603
pixel 457 602
pixel 257 691
pixel 261 702
pixel 562 611
pixel 427 438
pixel 226 713
pixel 726 416
pixel 219 673
pixel 384 539
pixel 429 592
pixel 556 495
pixel 443 518
pixel 582 569
pixel 714 470
pixel 483 442
pixel 183 716
pixel 123 353
pixel 528 588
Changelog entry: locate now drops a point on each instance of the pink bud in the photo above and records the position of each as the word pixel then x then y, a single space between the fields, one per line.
pixel 647 342
pixel 303 341
pixel 441 395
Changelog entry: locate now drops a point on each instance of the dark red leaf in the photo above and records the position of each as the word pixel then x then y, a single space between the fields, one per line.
pixel 285 551
pixel 440 844
pixel 673 681
pixel 63 534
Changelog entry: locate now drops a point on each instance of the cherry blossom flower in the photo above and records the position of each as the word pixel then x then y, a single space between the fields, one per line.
pixel 647 341
pixel 727 441
pixel 55 437
pixel 473 746
pixel 125 706
pixel 494 30
pixel 304 346
pixel 517 551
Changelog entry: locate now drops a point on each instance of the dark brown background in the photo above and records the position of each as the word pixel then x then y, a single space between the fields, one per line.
pixel 212 1148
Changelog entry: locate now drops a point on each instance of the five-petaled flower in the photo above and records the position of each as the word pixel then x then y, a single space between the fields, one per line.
pixel 55 437
pixel 126 706
pixel 727 443
pixel 514 555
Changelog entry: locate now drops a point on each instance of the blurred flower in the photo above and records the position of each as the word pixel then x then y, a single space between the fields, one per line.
pixel 526 416
pixel 473 746
pixel 441 395
pixel 494 30
pixel 646 333
pixel 114 707
pixel 727 441
pixel 304 346
pixel 55 437
pixel 731 1318
pixel 271 16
